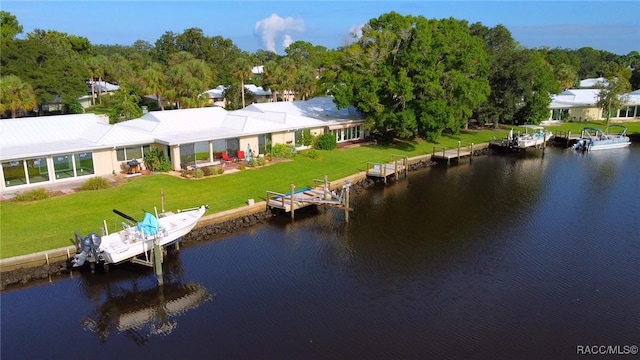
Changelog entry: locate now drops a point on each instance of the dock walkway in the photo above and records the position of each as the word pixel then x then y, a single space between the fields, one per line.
pixel 443 154
pixel 319 194
pixel 399 165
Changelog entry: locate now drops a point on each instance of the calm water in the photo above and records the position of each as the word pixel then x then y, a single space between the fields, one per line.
pixel 508 257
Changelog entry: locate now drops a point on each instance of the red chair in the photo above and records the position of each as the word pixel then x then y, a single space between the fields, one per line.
pixel 241 155
pixel 225 157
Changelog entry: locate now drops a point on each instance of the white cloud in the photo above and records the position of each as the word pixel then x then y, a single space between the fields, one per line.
pixel 287 41
pixel 356 31
pixel 274 27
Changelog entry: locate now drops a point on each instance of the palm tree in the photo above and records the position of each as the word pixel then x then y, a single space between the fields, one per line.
pixel 16 95
pixel 154 82
pixel 242 69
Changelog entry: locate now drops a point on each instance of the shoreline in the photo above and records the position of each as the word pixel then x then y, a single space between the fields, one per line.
pixel 51 264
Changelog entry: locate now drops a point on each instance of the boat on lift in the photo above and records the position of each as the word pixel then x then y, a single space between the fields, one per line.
pixel 136 238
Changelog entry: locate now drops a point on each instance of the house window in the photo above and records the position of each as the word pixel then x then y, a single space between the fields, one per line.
pixel 264 143
pixel 131 152
pixel 187 155
pixel 37 170
pixel 14 173
pixel 84 163
pixel 219 147
pixel 202 153
pixel 73 165
pixel 298 137
pixel 63 166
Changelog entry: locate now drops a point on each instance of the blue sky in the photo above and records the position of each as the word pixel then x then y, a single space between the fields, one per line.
pixel 270 25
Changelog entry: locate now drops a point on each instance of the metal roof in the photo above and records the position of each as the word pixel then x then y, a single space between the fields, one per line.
pixel 47 135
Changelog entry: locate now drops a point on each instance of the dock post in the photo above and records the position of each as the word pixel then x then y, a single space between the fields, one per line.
pixel 162 198
pixel 459 144
pixel 293 188
pixel 346 201
pixel 395 169
pixel 326 187
pixel 157 261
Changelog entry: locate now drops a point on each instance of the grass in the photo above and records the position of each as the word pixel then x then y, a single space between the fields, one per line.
pixel 28 227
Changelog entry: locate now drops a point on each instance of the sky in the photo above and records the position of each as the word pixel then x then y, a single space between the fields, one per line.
pixel 271 25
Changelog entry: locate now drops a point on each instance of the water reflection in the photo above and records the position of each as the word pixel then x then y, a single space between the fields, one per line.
pixel 128 303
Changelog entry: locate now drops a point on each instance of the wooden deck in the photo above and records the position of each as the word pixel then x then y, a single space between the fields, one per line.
pixel 443 154
pixel 398 166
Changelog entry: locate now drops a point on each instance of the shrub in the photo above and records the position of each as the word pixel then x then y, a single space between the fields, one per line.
pixel 206 171
pixel 307 138
pixel 198 173
pixel 220 171
pixel 326 142
pixel 95 183
pixel 283 151
pixel 242 167
pixel 156 160
pixel 32 195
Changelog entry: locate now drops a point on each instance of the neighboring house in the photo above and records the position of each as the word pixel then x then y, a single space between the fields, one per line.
pixel 102 87
pixel 260 95
pixel 582 104
pixel 48 149
pixel 593 83
pixel 217 97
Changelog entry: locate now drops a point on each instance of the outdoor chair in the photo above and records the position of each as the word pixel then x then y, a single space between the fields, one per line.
pixel 226 157
pixel 241 155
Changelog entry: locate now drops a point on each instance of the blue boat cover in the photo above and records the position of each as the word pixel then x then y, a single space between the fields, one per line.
pixel 149 225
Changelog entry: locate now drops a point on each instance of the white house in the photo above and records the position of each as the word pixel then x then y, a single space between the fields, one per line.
pixel 49 149
pixel 582 105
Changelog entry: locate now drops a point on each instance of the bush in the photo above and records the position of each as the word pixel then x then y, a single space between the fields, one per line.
pixel 156 160
pixel 283 151
pixel 326 142
pixel 198 173
pixel 95 183
pixel 32 195
pixel 307 138
pixel 206 171
pixel 220 171
pixel 242 167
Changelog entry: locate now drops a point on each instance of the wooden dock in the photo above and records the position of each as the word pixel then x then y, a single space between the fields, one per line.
pixel 398 166
pixel 319 194
pixel 443 154
pixel 565 137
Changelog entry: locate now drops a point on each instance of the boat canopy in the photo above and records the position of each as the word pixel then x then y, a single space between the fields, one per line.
pixel 149 225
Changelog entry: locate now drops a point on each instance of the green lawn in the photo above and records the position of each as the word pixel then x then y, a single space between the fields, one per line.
pixel 48 224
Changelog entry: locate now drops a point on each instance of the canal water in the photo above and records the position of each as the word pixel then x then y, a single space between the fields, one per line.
pixel 514 256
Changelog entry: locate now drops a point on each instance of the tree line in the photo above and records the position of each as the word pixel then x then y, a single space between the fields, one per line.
pixel 409 75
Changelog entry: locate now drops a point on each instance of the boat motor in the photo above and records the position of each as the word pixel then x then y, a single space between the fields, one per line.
pixel 89 246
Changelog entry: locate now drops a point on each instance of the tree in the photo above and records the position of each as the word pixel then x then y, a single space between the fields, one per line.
pixel 414 76
pixel 154 82
pixel 9 26
pixel 48 60
pixel 242 71
pixel 188 78
pixel 521 80
pixel 16 95
pixel 611 96
pixel 124 105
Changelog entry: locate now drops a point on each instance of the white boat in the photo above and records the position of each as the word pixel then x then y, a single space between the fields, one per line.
pixel 592 138
pixel 133 241
pixel 534 136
